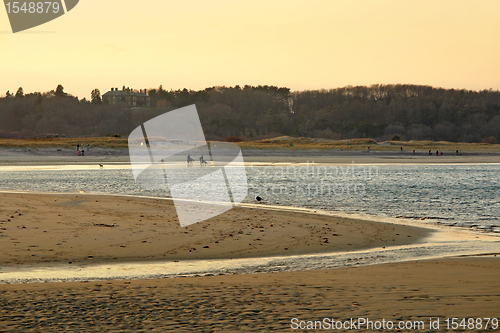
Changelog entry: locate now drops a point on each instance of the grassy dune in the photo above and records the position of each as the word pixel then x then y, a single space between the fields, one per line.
pixel 290 143
pixel 102 142
pixel 283 142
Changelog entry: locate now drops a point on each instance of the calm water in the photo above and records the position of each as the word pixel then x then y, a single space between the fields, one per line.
pixel 459 195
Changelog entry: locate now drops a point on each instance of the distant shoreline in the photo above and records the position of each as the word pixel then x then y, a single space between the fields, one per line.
pixel 47 156
pixel 284 144
pixel 281 150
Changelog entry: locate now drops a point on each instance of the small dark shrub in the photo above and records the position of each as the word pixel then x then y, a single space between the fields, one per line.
pixel 233 139
pixel 490 139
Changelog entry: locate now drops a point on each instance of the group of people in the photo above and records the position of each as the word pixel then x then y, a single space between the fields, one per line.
pixel 190 161
pixel 438 153
pixel 82 151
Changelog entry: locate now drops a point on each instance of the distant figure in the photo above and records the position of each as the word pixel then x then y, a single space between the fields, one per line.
pixel 437 153
pixel 458 154
pixel 202 161
pixel 441 154
pixel 79 152
pixel 259 199
pixel 88 147
pixel 77 146
pixel 83 152
pixel 430 153
pixel 368 148
pixel 401 148
pixel 189 160
pixel 100 166
pixel 413 151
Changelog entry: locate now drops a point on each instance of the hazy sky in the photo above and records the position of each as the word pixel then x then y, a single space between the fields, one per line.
pixel 298 44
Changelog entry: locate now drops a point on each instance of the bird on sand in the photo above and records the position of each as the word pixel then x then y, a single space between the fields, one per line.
pixel 100 165
pixel 259 199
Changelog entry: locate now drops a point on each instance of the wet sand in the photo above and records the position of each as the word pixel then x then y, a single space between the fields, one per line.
pixel 47 156
pixel 83 228
pixel 415 291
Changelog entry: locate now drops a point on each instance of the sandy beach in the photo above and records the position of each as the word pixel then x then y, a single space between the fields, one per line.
pixel 78 229
pixel 113 156
pixel 410 291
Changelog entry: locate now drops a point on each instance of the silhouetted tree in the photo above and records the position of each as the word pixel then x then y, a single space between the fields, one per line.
pixel 96 97
pixel 60 91
pixel 39 98
pixel 20 93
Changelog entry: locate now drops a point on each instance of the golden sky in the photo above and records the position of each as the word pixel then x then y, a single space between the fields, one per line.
pixel 298 44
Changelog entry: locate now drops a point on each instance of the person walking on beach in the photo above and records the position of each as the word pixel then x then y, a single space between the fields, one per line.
pixel 88 147
pixel 77 146
pixel 202 161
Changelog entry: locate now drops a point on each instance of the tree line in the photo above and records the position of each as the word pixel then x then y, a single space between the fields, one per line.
pixel 381 112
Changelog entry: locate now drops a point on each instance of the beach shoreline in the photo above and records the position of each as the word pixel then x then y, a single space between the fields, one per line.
pixel 72 237
pixel 82 227
pixel 111 156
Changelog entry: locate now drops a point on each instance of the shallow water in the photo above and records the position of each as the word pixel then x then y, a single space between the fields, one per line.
pixel 162 269
pixel 461 195
pixel 458 195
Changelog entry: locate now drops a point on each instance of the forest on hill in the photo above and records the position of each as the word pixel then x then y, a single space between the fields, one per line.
pixel 380 112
